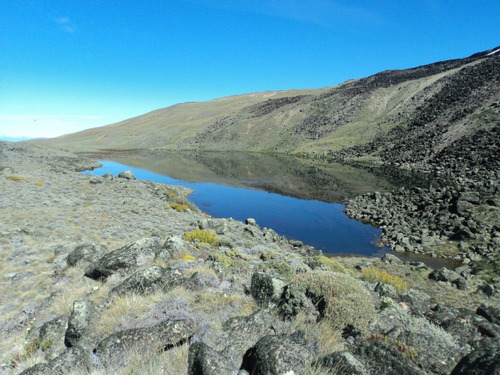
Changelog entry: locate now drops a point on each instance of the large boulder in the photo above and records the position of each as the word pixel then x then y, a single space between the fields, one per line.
pixel 242 333
pixel 342 363
pixel 382 358
pixel 485 360
pixel 203 360
pixel 279 354
pixel 125 258
pixel 79 322
pixel 154 278
pixel 85 252
pixel 113 350
pixel 72 360
pixel 266 289
pixel 435 349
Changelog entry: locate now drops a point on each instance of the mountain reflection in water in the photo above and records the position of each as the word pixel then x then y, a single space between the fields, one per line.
pixel 297 198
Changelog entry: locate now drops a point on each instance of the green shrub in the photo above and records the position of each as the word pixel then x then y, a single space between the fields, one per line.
pixel 373 275
pixel 337 298
pixel 203 236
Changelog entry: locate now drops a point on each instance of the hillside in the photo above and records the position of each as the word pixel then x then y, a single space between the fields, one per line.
pixel 319 121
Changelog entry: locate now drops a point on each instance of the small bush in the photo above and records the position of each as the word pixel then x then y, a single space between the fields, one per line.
pixel 203 236
pixel 38 183
pixel 179 207
pixel 14 177
pixel 338 298
pixel 373 275
pixel 186 257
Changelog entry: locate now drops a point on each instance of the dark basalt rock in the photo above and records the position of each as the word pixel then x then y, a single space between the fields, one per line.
pixel 86 252
pixel 127 257
pixel 79 321
pixel 203 360
pixel 112 351
pixel 484 360
pixel 384 359
pixel 278 354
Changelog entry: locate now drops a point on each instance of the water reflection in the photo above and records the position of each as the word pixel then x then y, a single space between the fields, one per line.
pixel 281 174
pixel 296 198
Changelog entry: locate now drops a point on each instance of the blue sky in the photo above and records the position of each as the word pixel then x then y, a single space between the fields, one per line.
pixel 69 65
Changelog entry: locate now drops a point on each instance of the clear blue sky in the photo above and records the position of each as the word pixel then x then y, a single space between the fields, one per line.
pixel 68 65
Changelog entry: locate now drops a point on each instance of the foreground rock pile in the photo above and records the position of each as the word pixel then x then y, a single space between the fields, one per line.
pixel 110 274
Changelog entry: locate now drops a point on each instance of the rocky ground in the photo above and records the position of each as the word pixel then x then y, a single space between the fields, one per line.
pixel 104 275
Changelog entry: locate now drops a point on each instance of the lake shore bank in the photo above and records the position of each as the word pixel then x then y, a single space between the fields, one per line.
pixel 104 273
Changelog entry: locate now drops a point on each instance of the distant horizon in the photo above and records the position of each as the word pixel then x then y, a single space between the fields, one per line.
pixel 68 67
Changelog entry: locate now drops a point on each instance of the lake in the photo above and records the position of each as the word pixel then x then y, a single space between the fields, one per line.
pixel 297 198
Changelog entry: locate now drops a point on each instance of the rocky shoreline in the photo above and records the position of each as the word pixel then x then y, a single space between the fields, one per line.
pixel 114 275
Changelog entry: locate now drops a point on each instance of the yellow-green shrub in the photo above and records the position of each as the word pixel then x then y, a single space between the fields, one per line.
pixel 14 177
pixel 203 236
pixel 373 275
pixel 332 264
pixel 180 207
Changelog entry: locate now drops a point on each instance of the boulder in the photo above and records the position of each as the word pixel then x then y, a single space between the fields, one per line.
pixel 113 350
pixel 53 333
pixel 128 175
pixel 266 289
pixel 278 354
pixel 419 302
pixel 485 360
pixel 382 358
pixel 128 257
pixel 154 278
pixel 86 252
pixel 435 349
pixel 444 274
pixel 70 361
pixel 203 360
pixel 242 333
pixel 342 363
pixel 79 322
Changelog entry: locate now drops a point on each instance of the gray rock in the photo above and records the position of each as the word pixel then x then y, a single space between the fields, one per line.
pixel 436 350
pixel 242 333
pixel 152 279
pixel 203 360
pixel 485 360
pixel 130 256
pixel 86 252
pixel 420 302
pixel 70 361
pixel 266 289
pixel 113 350
pixel 444 274
pixel 52 335
pixel 343 363
pixel 390 258
pixel 279 354
pixel 491 312
pixel 147 280
pixel 128 175
pixel 79 321
pixel 384 359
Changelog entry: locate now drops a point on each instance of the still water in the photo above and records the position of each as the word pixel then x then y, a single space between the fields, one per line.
pixel 295 198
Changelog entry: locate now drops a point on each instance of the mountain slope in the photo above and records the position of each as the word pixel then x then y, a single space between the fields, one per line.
pixel 358 116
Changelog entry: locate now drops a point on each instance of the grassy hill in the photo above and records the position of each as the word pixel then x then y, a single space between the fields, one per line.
pixel 319 121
